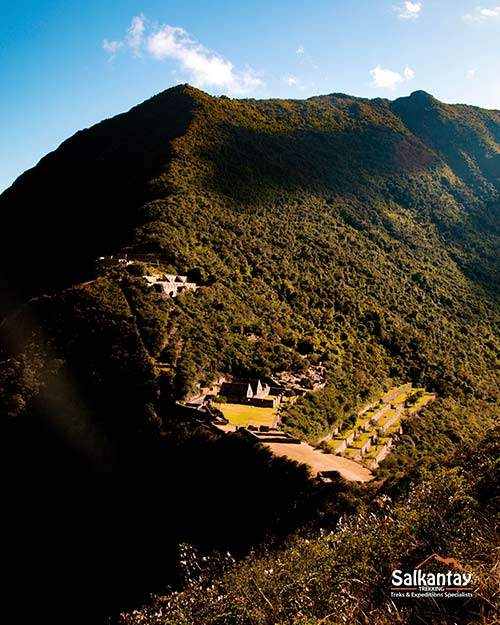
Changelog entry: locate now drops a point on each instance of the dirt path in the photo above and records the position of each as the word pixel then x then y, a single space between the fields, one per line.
pixel 319 461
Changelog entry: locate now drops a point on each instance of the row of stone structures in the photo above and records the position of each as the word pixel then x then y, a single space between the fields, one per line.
pixel 372 421
pixel 168 285
pixel 367 425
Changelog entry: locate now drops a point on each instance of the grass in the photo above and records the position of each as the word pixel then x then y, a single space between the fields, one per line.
pixel 402 397
pixel 361 440
pixel 376 448
pixel 361 420
pixel 242 414
pixel 388 415
pixel 350 452
pixel 332 444
pixel 368 414
pixel 394 429
pixel 369 457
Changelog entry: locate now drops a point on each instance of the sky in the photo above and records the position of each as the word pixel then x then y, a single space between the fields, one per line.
pixel 67 64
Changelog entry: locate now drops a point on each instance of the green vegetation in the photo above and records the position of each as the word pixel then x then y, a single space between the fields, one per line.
pixel 362 439
pixel 402 397
pixel 421 401
pixel 350 452
pixel 367 415
pixel 333 442
pixel 344 575
pixel 370 456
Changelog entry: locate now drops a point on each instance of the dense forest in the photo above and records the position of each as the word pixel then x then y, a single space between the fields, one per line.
pixel 359 234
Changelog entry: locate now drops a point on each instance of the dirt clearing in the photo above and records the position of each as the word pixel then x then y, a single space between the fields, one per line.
pixel 319 461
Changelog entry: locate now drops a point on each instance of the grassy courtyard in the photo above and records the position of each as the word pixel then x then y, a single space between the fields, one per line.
pixel 243 414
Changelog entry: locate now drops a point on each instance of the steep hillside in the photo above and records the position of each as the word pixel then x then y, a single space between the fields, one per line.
pixel 362 234
pixel 342 575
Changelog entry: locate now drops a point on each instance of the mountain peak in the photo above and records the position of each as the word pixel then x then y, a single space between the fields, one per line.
pixel 418 98
pixel 182 93
pixel 417 101
pixel 420 94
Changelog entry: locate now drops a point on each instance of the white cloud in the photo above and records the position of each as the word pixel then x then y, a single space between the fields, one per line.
pixel 470 74
pixel 408 10
pixel 483 14
pixel 408 74
pixel 292 80
pixel 135 33
pixel 300 50
pixel 203 67
pixel 112 47
pixel 384 78
pixel 494 12
pixel 388 79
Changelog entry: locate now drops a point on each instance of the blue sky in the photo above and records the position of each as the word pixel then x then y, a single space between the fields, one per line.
pixel 67 64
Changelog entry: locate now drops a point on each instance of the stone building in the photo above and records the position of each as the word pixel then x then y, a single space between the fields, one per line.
pixel 249 392
pixel 170 285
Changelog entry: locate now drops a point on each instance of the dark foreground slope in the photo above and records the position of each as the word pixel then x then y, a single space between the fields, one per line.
pixel 360 234
pixel 344 575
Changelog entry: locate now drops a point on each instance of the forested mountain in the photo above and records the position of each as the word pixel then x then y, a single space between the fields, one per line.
pixel 360 234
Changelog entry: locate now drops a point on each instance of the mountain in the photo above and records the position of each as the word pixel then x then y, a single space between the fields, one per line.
pixel 439 162
pixel 359 234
